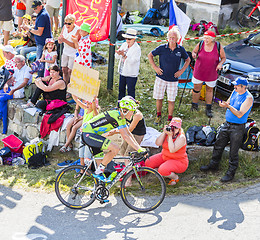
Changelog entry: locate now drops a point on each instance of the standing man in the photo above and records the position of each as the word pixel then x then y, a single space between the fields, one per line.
pixel 238 107
pixel 42 28
pixel 6 18
pixel 170 55
pixel 53 8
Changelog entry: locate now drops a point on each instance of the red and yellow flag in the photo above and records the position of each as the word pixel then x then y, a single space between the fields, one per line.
pixel 97 13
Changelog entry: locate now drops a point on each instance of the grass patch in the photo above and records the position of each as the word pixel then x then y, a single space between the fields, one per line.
pixel 192 181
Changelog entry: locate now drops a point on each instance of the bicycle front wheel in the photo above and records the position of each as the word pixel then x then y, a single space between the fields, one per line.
pixel 147 191
pixel 242 17
pixel 75 193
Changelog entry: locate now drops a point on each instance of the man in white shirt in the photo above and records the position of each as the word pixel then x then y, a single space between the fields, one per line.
pixel 19 80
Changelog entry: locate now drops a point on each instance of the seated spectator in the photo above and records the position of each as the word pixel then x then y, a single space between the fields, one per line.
pixel 52 87
pixel 173 158
pixel 9 53
pixel 91 109
pixel 14 87
pixel 30 39
pixel 137 128
pixel 20 34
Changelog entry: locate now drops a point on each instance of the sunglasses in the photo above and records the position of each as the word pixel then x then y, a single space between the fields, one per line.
pixel 67 23
pixel 129 39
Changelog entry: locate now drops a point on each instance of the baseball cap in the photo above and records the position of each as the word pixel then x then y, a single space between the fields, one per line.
pixel 36 3
pixel 176 122
pixel 240 80
pixel 8 48
pixel 210 34
pixel 85 27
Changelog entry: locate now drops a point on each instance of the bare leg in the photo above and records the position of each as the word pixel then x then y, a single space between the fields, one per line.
pixel 113 151
pixel 6 37
pixel 196 96
pixel 159 103
pixel 20 22
pixel 56 24
pixel 170 107
pixel 209 94
pixel 72 133
pixel 65 74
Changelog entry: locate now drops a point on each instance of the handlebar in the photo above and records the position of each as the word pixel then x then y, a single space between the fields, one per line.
pixel 138 157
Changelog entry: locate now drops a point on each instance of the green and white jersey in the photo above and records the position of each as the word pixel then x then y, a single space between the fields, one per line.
pixel 104 122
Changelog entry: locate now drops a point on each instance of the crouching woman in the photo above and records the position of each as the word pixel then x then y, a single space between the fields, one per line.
pixel 173 159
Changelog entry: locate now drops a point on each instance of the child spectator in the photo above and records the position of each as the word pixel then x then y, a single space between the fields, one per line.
pixel 83 46
pixel 91 109
pixel 49 55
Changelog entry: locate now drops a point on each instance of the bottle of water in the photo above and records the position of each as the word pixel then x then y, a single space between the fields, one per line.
pixel 112 176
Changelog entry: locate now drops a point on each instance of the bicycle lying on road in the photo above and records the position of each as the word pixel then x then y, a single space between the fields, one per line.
pixel 145 194
pixel 248 16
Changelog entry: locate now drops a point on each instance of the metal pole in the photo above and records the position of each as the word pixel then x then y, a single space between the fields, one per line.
pixel 111 58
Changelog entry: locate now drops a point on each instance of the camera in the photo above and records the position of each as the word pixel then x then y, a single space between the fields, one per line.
pixel 168 128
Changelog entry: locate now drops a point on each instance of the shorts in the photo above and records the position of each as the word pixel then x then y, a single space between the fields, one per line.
pixel 96 142
pixel 53 12
pixel 211 84
pixel 125 148
pixel 84 151
pixel 161 85
pixel 20 13
pixel 67 61
pixel 7 25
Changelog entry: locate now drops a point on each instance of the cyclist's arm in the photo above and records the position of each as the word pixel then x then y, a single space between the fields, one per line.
pixel 128 137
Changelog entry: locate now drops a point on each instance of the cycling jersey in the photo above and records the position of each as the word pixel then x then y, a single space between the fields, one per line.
pixel 104 122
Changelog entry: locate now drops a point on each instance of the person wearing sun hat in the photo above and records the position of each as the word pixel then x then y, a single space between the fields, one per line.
pixel 83 46
pixel 238 105
pixel 129 55
pixel 173 159
pixel 210 58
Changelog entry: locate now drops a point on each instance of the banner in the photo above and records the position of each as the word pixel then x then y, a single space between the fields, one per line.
pixel 179 18
pixel 84 82
pixel 97 13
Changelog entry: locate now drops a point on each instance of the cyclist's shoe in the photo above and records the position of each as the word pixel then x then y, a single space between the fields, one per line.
pixel 101 177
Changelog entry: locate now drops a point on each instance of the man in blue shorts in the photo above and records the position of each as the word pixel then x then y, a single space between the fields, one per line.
pixel 103 123
pixel 238 105
pixel 170 55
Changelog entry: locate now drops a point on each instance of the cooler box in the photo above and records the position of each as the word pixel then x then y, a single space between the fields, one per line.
pixel 14 143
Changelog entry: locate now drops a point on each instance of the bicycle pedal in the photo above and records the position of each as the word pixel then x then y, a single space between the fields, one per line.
pixel 104 201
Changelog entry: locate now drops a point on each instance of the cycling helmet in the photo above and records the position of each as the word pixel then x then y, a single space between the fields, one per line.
pixel 128 103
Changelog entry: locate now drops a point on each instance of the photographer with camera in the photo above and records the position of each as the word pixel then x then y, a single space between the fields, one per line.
pixel 173 158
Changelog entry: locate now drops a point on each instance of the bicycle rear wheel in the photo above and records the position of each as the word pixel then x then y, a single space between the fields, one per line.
pixel 242 17
pixel 147 191
pixel 75 193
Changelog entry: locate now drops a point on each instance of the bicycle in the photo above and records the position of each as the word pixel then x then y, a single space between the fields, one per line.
pixel 247 16
pixel 146 193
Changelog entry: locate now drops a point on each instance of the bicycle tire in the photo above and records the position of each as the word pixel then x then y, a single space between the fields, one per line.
pixel 242 19
pixel 84 194
pixel 147 199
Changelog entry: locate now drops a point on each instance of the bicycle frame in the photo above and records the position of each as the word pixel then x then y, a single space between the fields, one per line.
pixel 256 6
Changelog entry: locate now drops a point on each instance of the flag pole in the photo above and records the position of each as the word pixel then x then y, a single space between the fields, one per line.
pixel 111 58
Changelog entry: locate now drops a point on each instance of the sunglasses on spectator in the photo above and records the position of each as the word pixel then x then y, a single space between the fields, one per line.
pixel 67 23
pixel 129 39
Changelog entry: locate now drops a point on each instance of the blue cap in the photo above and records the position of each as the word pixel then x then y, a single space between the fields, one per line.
pixel 240 80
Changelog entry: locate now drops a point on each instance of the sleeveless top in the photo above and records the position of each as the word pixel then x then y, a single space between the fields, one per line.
pixel 236 101
pixel 68 50
pixel 206 63
pixel 179 155
pixel 56 94
pixel 140 128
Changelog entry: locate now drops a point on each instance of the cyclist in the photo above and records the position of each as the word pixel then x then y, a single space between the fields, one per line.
pixel 104 122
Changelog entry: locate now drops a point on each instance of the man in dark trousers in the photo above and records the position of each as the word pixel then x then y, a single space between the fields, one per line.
pixel 238 107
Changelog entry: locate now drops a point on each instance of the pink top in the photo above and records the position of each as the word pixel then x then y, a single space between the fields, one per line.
pixel 206 64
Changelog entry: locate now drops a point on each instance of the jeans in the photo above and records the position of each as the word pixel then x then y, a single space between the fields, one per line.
pixel 130 82
pixel 39 49
pixel 4 97
pixel 24 50
pixel 233 133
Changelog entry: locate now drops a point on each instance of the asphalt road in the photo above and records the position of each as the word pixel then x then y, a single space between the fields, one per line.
pixel 224 215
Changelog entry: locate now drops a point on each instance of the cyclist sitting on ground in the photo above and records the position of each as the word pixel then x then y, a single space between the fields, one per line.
pixel 104 122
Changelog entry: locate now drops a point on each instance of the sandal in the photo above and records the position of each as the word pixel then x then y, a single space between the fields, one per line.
pixel 63 149
pixel 78 175
pixel 173 181
pixel 69 148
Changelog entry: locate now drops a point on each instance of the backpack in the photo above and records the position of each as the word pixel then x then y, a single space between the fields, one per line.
pixel 157 32
pixel 218 46
pixel 152 16
pixel 4 75
pixel 251 139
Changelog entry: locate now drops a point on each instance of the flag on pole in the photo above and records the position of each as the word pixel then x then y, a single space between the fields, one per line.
pixel 95 13
pixel 178 18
